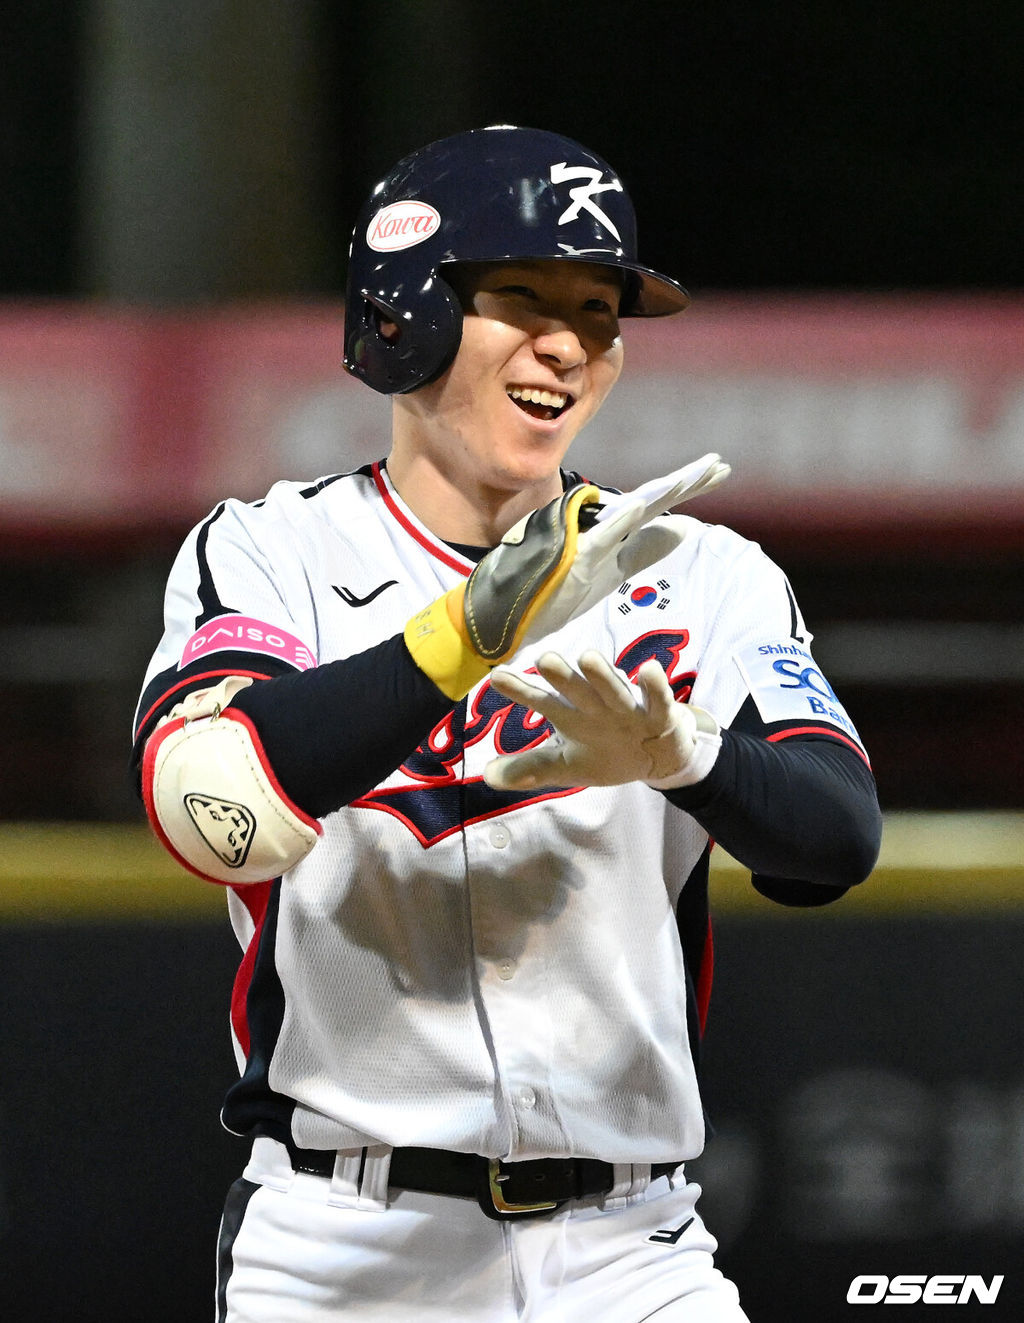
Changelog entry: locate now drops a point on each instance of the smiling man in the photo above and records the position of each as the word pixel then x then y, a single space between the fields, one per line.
pixel 455 732
pixel 540 350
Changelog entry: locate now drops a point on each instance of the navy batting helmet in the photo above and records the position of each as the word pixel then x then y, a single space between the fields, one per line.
pixel 481 196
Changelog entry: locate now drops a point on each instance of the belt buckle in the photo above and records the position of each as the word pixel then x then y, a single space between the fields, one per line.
pixel 503 1209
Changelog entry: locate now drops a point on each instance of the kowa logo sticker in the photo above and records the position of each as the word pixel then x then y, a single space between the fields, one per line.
pixel 402 225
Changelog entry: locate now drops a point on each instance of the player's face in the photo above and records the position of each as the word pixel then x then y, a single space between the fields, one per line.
pixel 540 351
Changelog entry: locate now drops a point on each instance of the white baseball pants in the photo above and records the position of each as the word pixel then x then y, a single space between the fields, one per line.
pixel 297 1248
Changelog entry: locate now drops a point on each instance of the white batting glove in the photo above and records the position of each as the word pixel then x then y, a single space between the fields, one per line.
pixel 608 731
pixel 623 542
pixel 662 494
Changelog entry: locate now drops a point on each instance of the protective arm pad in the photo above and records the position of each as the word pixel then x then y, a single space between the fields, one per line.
pixel 458 638
pixel 212 797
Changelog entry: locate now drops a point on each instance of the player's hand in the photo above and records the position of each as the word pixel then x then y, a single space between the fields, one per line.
pixel 549 568
pixel 622 542
pixel 661 494
pixel 608 730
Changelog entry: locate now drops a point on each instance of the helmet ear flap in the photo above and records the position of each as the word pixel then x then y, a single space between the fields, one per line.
pixel 423 344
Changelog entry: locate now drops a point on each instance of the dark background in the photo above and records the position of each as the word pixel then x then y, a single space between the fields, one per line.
pixel 865 1122
pixel 768 145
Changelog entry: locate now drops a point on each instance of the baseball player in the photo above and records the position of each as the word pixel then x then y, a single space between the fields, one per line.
pixel 455 732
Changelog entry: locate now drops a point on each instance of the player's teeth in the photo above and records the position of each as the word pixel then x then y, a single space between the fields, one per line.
pixel 547 398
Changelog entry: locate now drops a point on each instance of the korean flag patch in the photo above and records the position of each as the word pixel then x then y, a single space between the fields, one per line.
pixel 785 683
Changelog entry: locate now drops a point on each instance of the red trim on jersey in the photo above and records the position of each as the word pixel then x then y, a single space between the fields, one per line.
pixel 412 530
pixel 255 898
pixel 148 762
pixel 190 679
pixel 707 972
pixel 818 730
pixel 148 766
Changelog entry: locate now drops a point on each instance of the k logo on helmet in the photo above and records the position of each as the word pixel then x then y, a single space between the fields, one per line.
pixel 583 194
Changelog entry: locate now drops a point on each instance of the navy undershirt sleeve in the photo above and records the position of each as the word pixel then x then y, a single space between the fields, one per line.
pixel 802 814
pixel 333 733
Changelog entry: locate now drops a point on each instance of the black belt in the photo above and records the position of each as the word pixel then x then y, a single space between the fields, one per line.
pixel 504 1190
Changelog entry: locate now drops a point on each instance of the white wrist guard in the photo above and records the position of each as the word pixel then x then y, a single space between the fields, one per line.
pixel 696 741
pixel 212 797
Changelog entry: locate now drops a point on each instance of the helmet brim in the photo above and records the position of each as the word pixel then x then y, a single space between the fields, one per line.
pixel 657 295
pixel 646 293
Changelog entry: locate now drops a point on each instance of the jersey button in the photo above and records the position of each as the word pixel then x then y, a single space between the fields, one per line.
pixel 527 1097
pixel 506 969
pixel 499 836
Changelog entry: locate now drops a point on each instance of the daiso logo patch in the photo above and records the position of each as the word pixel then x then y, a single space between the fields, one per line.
pixel 244 634
pixel 401 225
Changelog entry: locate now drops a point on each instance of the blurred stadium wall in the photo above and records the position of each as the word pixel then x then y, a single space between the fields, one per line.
pixel 878 452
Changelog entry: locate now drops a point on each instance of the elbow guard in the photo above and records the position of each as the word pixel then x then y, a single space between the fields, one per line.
pixel 212 797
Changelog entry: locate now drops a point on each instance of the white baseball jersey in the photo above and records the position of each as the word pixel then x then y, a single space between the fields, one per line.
pixel 452 966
